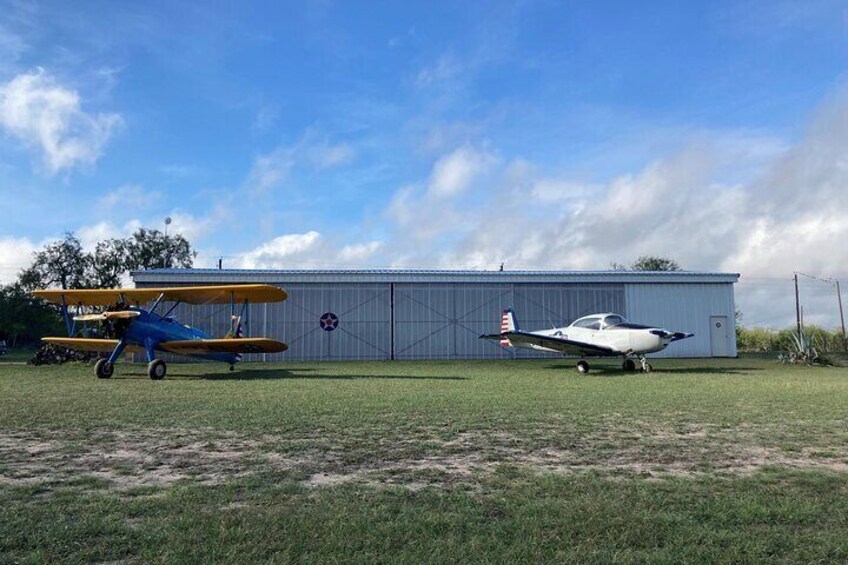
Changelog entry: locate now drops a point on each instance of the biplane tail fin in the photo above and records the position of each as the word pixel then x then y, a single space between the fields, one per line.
pixel 235 331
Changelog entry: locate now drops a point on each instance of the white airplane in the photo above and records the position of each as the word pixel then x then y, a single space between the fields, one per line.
pixel 597 335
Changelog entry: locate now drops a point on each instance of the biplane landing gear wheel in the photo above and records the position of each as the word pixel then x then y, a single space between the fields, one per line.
pixel 156 369
pixel 629 365
pixel 103 369
pixel 232 367
pixel 582 367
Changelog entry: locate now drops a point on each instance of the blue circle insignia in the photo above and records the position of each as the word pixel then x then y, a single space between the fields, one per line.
pixel 329 322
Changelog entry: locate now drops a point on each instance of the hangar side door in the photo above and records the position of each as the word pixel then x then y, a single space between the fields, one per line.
pixel 718 336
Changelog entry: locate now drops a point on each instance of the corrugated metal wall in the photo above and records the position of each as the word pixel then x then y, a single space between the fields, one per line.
pixel 684 307
pixel 444 321
pixel 379 321
pixel 363 331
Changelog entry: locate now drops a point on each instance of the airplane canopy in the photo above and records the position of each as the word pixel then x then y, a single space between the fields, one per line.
pixel 598 321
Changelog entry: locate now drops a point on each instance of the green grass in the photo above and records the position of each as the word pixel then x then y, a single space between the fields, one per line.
pixel 701 460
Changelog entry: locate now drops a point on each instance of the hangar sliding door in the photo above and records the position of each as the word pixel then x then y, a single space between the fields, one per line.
pixel 332 321
pixel 445 320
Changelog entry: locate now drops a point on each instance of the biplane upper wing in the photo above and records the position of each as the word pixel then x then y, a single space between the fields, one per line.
pixel 219 294
pixel 87 344
pixel 226 345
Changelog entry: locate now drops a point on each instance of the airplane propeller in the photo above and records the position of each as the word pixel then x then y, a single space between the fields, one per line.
pixel 675 336
pixel 103 316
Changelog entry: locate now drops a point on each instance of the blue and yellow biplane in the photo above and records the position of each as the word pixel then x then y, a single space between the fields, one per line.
pixel 127 326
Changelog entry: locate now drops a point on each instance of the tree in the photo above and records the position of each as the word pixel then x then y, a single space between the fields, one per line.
pixel 65 264
pixel 151 249
pixel 651 263
pixel 108 263
pixel 24 319
pixel 648 263
pixel 62 263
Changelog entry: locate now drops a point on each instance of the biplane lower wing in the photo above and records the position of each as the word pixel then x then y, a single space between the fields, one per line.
pixel 227 345
pixel 87 344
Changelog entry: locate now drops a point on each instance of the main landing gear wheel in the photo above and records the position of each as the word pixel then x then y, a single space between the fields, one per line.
pixel 156 369
pixel 582 367
pixel 103 369
pixel 629 365
pixel 647 368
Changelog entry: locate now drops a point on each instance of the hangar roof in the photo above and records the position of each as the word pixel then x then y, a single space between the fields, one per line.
pixel 212 276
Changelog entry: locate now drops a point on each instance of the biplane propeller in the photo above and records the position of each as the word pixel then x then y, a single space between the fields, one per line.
pixel 130 327
pixel 104 316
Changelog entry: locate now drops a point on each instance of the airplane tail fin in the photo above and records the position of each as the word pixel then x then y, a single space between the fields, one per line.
pixel 508 324
pixel 235 333
pixel 235 328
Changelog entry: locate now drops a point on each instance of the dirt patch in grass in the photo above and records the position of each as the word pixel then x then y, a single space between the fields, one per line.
pixel 422 457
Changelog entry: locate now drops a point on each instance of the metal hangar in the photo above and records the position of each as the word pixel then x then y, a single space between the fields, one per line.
pixel 386 314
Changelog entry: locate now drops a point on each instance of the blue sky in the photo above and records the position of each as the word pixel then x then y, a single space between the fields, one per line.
pixel 541 134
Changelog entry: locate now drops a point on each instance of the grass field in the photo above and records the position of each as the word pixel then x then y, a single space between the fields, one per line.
pixel 701 460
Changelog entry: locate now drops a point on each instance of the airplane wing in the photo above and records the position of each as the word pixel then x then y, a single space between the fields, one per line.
pixel 220 294
pixel 227 345
pixel 562 345
pixel 86 344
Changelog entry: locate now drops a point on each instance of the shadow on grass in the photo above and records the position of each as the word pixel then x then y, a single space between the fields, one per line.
pixel 617 371
pixel 278 374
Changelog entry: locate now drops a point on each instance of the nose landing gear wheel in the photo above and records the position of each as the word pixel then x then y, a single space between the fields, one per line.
pixel 629 365
pixel 103 369
pixel 582 367
pixel 156 370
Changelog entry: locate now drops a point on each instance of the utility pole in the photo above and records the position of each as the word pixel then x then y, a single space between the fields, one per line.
pixel 797 306
pixel 841 315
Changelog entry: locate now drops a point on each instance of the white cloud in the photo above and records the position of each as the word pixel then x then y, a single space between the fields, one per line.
pixel 266 117
pixel 15 254
pixel 325 155
pixel 783 211
pixel 129 196
pixel 454 173
pixel 360 252
pixel 282 251
pixel 310 249
pixel 446 68
pixel 40 113
pixel 271 169
pixel 90 235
